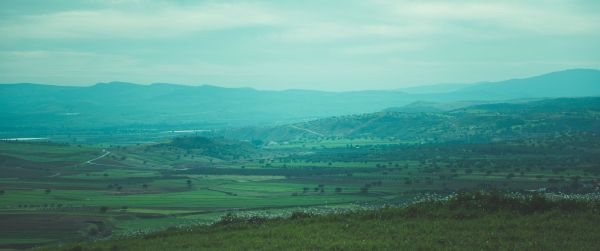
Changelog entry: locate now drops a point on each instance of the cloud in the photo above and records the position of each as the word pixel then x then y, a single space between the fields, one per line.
pixel 429 19
pixel 551 18
pixel 327 32
pixel 284 44
pixel 382 19
pixel 381 48
pixel 61 65
pixel 163 21
pixel 80 67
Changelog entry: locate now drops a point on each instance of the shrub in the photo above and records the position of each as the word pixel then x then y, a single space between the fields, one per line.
pixel 300 215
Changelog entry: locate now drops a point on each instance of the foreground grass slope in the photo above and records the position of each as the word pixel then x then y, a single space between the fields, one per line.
pixel 464 222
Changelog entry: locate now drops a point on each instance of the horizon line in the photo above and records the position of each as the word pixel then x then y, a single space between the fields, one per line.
pixel 114 82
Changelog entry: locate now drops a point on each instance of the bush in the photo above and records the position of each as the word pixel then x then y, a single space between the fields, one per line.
pixel 300 215
pixel 498 201
pixel 76 248
pixel 231 219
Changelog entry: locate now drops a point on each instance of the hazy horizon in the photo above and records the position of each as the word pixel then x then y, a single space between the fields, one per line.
pixel 299 125
pixel 278 45
pixel 404 88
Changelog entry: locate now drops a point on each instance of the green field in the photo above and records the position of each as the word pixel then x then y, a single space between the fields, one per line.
pixel 464 222
pixel 62 193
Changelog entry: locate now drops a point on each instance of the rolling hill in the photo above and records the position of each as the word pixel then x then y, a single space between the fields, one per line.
pixel 117 104
pixel 220 148
pixel 464 222
pixel 478 123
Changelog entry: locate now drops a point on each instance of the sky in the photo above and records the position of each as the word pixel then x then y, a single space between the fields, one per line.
pixel 334 45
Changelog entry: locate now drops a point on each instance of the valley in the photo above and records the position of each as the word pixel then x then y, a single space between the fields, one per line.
pixel 188 125
pixel 97 191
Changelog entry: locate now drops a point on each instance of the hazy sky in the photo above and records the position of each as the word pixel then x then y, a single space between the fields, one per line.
pixel 323 44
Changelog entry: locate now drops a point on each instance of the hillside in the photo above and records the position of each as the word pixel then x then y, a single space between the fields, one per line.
pixel 429 106
pixel 213 147
pixel 464 222
pixel 35 108
pixel 569 83
pixel 478 123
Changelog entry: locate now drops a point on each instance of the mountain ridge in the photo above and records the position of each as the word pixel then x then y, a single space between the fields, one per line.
pixel 122 104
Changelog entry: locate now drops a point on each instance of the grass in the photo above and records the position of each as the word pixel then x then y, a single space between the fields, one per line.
pixel 148 191
pixel 43 152
pixel 464 222
pixel 331 143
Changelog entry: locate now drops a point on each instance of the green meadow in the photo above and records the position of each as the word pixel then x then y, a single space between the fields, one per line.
pixel 462 222
pixel 62 193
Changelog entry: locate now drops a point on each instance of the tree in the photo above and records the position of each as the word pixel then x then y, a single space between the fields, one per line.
pixel 47 191
pixel 103 209
pixel 364 189
pixel 1 192
pixel 257 142
pixel 338 189
pixel 145 186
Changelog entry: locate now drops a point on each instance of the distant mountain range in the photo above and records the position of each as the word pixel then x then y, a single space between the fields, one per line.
pixel 117 104
pixel 437 88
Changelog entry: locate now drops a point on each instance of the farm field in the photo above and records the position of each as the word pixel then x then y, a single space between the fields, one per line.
pixel 62 192
pixel 488 221
pixel 299 125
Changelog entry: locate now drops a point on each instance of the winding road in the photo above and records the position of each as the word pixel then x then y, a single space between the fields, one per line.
pixel 307 130
pixel 91 162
